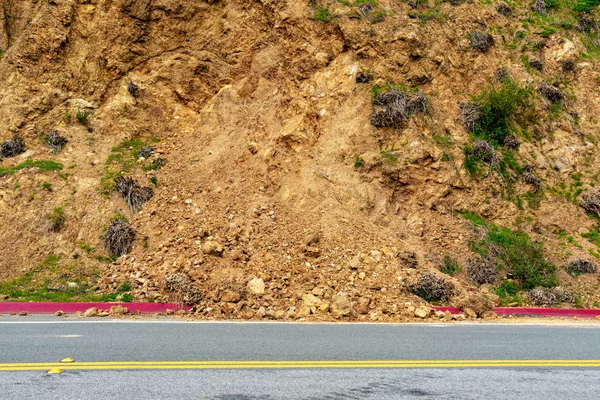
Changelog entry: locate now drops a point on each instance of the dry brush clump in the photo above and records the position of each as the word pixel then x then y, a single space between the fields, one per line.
pixel 530 178
pixel 481 41
pixel 118 239
pixel 471 115
pixel 55 141
pixel 590 202
pixel 512 142
pixel 502 74
pixel 417 104
pixel 484 151
pixel 503 8
pixel 132 192
pixel 12 147
pixel 553 94
pixel 549 296
pixel 397 108
pixel 578 266
pixel 536 63
pixel 364 77
pixel 433 288
pixel 145 151
pixel 394 113
pixel 133 89
pixel 539 6
pixel 183 287
pixel 568 65
pixel 480 272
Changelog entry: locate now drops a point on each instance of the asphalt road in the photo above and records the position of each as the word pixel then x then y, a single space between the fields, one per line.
pixel 167 359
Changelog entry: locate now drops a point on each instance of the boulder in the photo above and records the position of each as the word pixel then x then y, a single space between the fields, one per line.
pixel 256 286
pixel 341 306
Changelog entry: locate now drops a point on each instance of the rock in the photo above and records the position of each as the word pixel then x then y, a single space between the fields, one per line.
pixel 310 300
pixel 318 292
pixel 261 312
pixel 256 286
pixel 341 306
pixel 311 239
pixel 439 314
pixel 489 314
pixel 3 297
pixel 324 306
pixel 90 312
pixel 469 312
pixel 447 316
pixel 362 275
pixel 458 317
pixel 477 304
pixel 59 313
pixel 422 312
pixel 354 262
pixel 103 313
pixel 303 312
pixel 168 311
pixel 23 313
pixel 312 251
pixel 212 248
pixel 118 310
pixel 363 305
pixel 229 296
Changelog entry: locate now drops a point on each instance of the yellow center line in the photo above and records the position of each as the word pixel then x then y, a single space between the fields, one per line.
pixel 124 365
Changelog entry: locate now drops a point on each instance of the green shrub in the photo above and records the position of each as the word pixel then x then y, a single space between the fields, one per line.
pixel 322 14
pixel 83 117
pixel 500 107
pixel 358 161
pixel 515 253
pixel 450 266
pixel 585 6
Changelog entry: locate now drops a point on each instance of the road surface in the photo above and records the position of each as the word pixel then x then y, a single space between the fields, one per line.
pixel 173 359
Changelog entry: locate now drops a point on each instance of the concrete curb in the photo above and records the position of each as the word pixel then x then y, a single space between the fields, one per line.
pixel 533 311
pixel 51 308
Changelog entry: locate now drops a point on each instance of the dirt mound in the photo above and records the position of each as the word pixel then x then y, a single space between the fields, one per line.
pixel 269 140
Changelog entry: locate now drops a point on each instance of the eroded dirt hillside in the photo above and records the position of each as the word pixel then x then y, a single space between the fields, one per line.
pixel 269 164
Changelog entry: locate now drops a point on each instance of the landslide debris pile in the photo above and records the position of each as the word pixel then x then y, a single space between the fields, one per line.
pixel 301 159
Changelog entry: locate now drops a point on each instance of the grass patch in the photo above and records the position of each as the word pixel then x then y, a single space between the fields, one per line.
pixel 322 14
pixel 122 159
pixel 514 252
pixel 50 281
pixel 358 161
pixel 44 166
pixel 57 218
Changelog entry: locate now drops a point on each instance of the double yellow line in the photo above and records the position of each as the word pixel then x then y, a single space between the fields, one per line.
pixel 155 365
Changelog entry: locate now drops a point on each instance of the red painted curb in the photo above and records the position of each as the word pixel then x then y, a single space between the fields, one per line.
pixel 533 311
pixel 51 308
